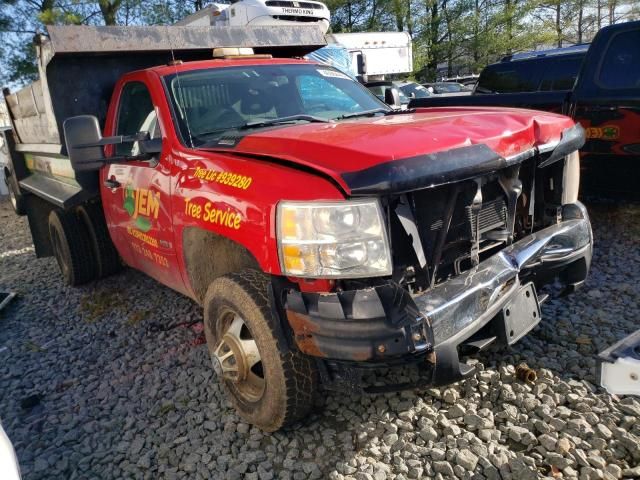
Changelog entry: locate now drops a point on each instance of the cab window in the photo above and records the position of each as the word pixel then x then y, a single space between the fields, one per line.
pixel 560 73
pixel 621 65
pixel 135 114
pixel 320 96
pixel 510 77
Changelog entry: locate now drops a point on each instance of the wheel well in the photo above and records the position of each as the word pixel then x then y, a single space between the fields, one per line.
pixel 208 256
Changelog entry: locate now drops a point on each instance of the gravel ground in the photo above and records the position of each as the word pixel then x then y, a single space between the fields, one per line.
pixel 112 380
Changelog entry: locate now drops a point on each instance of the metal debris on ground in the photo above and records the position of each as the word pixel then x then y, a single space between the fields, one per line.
pixel 526 374
pixel 5 298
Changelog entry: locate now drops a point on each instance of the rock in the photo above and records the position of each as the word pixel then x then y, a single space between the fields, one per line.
pixel 428 434
pixel 456 411
pixel 614 470
pixel 631 472
pixel 548 442
pixel 522 471
pixel 443 468
pixel 563 446
pixel 466 459
pixel 521 435
pixel 450 396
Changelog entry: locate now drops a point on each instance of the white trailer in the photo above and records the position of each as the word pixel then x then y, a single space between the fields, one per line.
pixel 376 54
pixel 260 12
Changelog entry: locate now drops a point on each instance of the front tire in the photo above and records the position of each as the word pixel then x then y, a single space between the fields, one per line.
pixel 269 385
pixel 72 247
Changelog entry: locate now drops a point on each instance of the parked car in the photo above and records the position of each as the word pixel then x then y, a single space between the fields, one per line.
pixel 413 90
pixel 323 239
pixel 598 85
pixel 448 88
pixel 390 93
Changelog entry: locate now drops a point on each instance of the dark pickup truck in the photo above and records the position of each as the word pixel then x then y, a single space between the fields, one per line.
pixel 598 85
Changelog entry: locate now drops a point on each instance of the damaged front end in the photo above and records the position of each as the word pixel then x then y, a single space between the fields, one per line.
pixel 473 238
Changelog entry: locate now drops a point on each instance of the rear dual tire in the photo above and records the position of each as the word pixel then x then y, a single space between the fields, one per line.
pixel 81 244
pixel 72 247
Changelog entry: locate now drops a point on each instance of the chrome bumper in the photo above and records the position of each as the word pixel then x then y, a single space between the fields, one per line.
pixel 386 325
pixel 458 308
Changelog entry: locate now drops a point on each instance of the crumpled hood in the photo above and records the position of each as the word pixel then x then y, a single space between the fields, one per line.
pixel 346 147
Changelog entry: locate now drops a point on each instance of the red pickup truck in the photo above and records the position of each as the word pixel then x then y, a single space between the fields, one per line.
pixel 324 233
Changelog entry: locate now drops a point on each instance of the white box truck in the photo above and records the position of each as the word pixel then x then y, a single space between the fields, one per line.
pixel 376 54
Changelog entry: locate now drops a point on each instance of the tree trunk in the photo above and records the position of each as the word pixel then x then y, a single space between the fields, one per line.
pixel 509 20
pixel 109 10
pixel 476 31
pixel 580 19
pixel 599 14
pixel 432 36
pixel 558 24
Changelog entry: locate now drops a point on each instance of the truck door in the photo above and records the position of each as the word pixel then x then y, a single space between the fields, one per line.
pixel 136 194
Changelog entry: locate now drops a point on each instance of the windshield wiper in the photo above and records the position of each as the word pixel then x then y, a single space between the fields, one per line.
pixel 278 121
pixel 398 112
pixel 366 113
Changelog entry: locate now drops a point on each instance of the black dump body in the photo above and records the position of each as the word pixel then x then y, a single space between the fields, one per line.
pixel 88 61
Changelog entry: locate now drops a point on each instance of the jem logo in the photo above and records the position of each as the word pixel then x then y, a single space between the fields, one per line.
pixel 142 205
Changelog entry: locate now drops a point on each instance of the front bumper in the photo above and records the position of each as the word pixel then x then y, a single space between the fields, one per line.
pixel 385 325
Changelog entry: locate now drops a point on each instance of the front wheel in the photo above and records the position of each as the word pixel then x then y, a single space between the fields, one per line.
pixel 269 385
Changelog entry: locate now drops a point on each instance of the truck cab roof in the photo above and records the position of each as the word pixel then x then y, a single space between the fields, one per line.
pixel 167 69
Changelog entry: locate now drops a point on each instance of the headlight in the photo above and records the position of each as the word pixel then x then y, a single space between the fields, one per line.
pixel 571 178
pixel 344 239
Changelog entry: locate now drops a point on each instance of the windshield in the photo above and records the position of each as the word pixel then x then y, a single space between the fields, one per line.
pixel 418 91
pixel 449 87
pixel 209 102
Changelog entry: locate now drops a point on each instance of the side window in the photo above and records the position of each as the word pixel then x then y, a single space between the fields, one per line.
pixel 321 95
pixel 621 65
pixel 135 114
pixel 560 73
pixel 511 77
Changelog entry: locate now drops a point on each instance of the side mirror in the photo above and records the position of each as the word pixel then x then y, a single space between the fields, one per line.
pixel 83 139
pixel 392 97
pixel 85 143
pixel 360 64
pixel 152 146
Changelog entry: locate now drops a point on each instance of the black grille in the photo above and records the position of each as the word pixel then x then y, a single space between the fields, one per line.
pixel 290 4
pixel 466 229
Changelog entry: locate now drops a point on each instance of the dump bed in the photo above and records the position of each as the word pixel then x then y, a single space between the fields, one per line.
pixel 78 67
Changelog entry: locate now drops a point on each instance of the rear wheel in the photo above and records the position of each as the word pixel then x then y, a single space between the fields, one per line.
pixel 104 251
pixel 269 385
pixel 72 247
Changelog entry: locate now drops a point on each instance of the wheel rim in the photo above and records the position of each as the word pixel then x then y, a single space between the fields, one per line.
pixel 57 250
pixel 237 359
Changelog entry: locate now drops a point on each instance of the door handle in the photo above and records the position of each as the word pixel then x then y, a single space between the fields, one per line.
pixel 111 183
